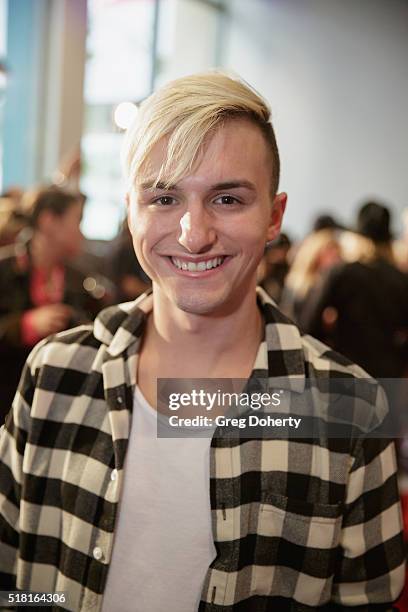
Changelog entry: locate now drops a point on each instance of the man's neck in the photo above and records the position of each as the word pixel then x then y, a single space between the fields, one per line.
pixel 205 343
pixel 177 344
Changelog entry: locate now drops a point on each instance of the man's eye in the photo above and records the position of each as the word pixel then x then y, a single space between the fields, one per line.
pixel 164 201
pixel 227 200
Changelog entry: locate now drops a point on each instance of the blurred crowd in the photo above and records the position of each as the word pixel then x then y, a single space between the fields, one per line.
pixel 347 286
pixel 51 278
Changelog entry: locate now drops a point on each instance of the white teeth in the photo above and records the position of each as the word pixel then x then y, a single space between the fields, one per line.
pixel 201 266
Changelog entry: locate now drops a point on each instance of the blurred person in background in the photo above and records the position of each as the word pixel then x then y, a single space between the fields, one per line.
pixel 400 247
pixel 356 247
pixel 274 267
pixel 325 221
pixel 14 193
pixel 127 274
pixel 40 293
pixel 317 253
pixel 361 308
pixel 12 220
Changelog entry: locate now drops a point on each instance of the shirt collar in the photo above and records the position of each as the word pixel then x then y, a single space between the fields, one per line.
pixel 121 326
pixel 279 361
pixel 280 357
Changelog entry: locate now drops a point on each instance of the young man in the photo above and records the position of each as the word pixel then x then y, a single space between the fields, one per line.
pixel 95 504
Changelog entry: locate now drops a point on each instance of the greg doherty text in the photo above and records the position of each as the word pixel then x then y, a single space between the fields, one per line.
pixel 252 420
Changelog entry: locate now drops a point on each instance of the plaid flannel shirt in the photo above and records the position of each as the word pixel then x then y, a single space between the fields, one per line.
pixel 298 525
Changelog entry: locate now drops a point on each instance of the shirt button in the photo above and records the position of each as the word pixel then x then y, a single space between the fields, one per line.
pixel 97 553
pixel 114 474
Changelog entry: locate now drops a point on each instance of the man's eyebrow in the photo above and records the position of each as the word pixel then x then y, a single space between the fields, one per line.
pixel 234 185
pixel 150 185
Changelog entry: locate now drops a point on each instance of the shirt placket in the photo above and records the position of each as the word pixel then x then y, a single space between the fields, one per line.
pixel 119 416
pixel 216 582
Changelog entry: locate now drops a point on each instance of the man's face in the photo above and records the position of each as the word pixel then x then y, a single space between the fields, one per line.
pixel 201 240
pixel 63 231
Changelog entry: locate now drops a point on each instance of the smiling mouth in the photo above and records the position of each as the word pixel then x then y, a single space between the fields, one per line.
pixel 198 266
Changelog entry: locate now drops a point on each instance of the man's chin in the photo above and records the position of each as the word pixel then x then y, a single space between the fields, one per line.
pixel 200 303
pixel 195 306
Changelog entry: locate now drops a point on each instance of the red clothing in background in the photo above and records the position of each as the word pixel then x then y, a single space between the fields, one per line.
pixel 43 290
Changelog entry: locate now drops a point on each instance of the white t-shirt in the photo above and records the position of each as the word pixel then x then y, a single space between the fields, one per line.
pixel 163 542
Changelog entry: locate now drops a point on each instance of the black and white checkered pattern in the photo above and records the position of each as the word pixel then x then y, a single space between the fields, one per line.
pixel 298 525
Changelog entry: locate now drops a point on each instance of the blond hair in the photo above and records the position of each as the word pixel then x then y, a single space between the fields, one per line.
pixel 304 269
pixel 356 247
pixel 187 111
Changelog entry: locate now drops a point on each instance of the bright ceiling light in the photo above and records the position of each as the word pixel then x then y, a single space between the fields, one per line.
pixel 124 114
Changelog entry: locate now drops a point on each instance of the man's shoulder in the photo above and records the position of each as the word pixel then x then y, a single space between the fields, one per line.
pixel 283 334
pixel 321 374
pixel 65 349
pixel 351 394
pixel 321 358
pixel 77 347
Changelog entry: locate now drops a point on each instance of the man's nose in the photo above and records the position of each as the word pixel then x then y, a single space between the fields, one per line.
pixel 197 233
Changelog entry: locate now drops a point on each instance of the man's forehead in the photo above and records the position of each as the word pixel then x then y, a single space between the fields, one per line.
pixel 231 155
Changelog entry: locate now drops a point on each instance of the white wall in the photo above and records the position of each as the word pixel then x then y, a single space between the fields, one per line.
pixel 63 85
pixel 187 40
pixel 336 75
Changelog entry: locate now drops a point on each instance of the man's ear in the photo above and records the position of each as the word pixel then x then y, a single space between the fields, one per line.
pixel 275 221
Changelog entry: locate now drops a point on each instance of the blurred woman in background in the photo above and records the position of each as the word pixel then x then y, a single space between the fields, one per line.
pixel 366 300
pixel 317 253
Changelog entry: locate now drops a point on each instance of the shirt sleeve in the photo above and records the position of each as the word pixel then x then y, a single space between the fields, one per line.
pixel 371 568
pixel 13 437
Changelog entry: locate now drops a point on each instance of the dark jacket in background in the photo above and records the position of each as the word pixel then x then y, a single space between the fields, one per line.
pixel 371 301
pixel 121 263
pixel 15 272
